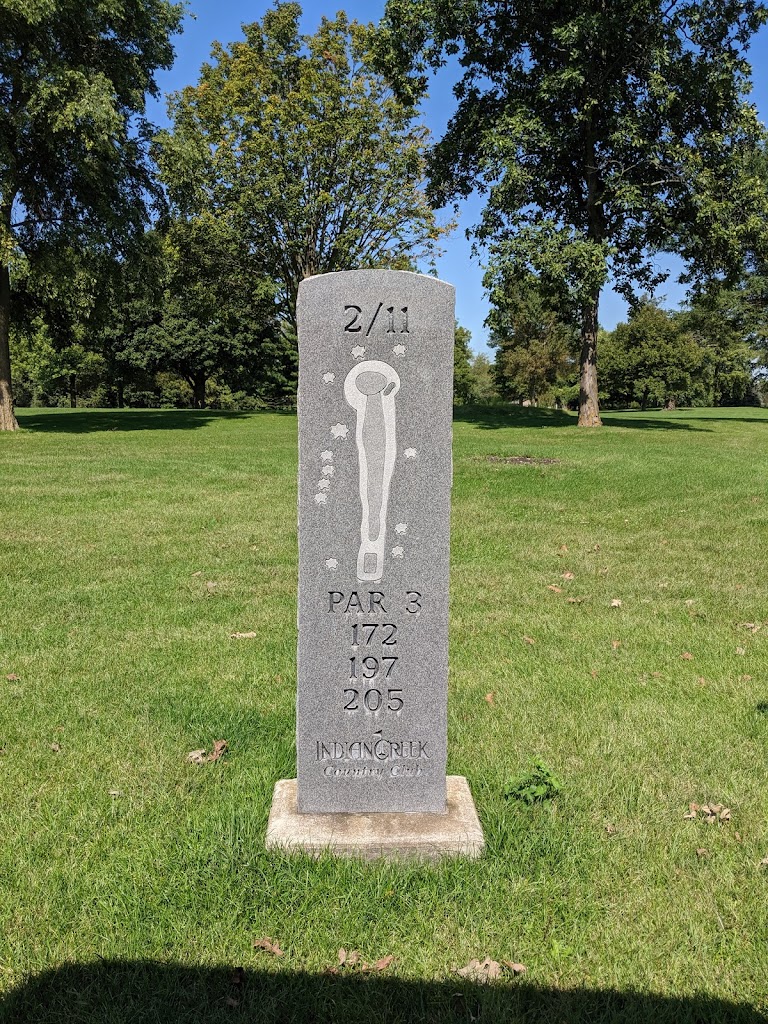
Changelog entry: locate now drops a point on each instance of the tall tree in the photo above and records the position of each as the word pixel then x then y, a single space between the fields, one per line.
pixel 303 146
pixel 213 316
pixel 534 344
pixel 601 133
pixel 652 359
pixel 73 77
pixel 463 390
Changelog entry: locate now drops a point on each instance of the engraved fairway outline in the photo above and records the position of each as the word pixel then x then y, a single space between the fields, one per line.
pixel 370 389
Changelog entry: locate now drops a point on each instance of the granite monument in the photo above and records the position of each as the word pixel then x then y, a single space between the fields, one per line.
pixel 375 472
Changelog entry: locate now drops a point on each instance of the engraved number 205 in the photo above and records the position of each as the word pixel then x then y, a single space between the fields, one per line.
pixel 373 700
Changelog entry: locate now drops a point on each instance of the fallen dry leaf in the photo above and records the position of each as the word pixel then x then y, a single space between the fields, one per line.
pixel 482 971
pixel 56 747
pixel 615 603
pixel 740 650
pixel 568 576
pixel 489 697
pixel 686 656
pixel 198 573
pixel 596 547
pixel 611 829
pixel 211 585
pixel 615 644
pixel 383 963
pixel 351 959
pixel 529 640
pixel 575 600
pixel 753 627
pixel 701 852
pixel 268 946
pixel 232 1002
pixel 13 678
pixel 764 862
pixel 115 793
pixel 219 749
pixel 563 548
pixel 243 636
pixel 594 673
pixel 513 967
pixel 203 757
pixel 554 588
pixel 746 679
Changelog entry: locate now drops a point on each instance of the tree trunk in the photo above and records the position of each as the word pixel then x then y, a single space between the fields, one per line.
pixel 73 391
pixel 589 408
pixel 670 404
pixel 7 417
pixel 120 395
pixel 644 402
pixel 198 391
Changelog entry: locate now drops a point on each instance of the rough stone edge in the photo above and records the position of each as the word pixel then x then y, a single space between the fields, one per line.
pixel 369 836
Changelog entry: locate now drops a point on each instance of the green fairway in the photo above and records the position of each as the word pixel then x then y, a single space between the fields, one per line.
pixel 609 617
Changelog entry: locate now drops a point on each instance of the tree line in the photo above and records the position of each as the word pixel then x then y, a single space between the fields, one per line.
pixel 161 267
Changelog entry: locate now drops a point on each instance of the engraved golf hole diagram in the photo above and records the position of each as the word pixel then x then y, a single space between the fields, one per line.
pixel 370 388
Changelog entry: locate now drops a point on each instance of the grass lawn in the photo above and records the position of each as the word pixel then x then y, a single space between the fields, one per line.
pixel 132 883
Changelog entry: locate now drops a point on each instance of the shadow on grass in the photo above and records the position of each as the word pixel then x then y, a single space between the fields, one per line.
pixel 496 417
pixel 62 421
pixel 652 421
pixel 144 991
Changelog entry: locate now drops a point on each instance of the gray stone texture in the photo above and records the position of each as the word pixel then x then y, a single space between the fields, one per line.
pixel 394 836
pixel 375 409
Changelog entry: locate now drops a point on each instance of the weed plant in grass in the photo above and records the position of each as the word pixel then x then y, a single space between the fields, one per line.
pixel 609 621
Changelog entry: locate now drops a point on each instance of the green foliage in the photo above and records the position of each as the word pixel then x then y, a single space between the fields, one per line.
pixel 73 167
pixel 463 390
pixel 600 133
pixel 213 318
pixel 535 345
pixel 698 357
pixel 535 786
pixel 302 147
pixel 484 388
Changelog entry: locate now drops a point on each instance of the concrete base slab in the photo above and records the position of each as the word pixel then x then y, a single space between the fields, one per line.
pixel 392 835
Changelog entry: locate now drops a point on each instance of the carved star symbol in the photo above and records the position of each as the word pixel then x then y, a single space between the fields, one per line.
pixel 397 552
pixel 329 378
pixel 358 351
pixel 331 563
pixel 324 484
pixel 399 350
pixel 328 470
pixel 321 499
pixel 326 456
pixel 411 453
pixel 401 528
pixel 340 430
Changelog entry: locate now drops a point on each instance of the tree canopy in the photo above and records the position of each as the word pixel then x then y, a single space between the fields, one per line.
pixel 601 135
pixel 302 146
pixel 73 82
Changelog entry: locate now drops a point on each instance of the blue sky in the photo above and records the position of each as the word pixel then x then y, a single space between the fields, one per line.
pixel 208 20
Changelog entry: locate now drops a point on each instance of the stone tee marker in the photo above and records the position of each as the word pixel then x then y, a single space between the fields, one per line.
pixel 375 409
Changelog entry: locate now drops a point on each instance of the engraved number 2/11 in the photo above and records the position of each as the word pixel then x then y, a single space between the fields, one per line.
pixel 395 318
